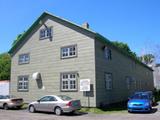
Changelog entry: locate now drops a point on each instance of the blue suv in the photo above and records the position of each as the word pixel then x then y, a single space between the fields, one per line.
pixel 139 102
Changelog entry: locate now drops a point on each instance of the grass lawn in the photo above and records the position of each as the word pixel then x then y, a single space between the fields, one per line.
pixel 115 108
pixel 102 111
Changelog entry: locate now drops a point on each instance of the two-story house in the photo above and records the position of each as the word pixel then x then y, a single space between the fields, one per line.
pixel 54 55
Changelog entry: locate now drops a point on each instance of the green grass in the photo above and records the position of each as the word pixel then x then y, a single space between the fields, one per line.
pixel 114 108
pixel 25 106
pixel 103 111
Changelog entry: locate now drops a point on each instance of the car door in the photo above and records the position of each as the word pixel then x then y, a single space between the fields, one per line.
pixel 52 103
pixel 42 104
pixel 1 101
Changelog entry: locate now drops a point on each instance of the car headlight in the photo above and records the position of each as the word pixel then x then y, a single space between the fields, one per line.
pixel 146 104
pixel 129 104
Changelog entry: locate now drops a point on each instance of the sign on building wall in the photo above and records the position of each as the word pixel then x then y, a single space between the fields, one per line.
pixel 85 85
pixel 4 87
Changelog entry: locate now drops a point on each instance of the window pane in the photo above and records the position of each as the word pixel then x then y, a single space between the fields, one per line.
pixel 68 51
pixel 69 81
pixel 49 32
pixel 23 83
pixel 42 33
pixel 45 33
pixel 24 58
pixel 108 54
pixel 108 81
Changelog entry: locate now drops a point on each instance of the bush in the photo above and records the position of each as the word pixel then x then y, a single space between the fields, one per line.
pixel 156 94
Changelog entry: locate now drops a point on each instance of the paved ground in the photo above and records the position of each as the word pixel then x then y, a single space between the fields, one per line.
pixel 25 115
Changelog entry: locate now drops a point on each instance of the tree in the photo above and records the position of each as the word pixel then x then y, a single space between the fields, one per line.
pixel 17 38
pixel 125 47
pixel 147 58
pixel 5 66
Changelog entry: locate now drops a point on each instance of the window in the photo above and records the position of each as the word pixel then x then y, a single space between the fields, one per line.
pixel 68 52
pixel 45 33
pixel 23 59
pixel 108 54
pixel 23 83
pixel 68 82
pixel 129 82
pixel 48 98
pixel 1 97
pixel 108 81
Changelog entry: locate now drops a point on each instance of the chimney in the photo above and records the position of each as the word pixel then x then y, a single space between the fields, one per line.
pixel 85 25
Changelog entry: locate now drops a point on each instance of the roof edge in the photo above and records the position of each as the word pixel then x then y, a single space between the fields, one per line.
pixel 105 40
pixel 37 22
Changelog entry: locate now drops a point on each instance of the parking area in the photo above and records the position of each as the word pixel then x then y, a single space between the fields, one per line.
pixel 25 115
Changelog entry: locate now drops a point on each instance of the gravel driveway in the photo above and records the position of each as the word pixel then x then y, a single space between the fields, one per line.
pixel 25 115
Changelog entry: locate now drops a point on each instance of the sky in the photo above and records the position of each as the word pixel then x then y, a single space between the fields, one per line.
pixel 135 22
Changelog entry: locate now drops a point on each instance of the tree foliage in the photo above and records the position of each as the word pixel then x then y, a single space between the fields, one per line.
pixel 147 58
pixel 124 47
pixel 17 38
pixel 5 66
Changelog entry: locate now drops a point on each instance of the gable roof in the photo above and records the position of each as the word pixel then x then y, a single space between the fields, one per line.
pixel 97 36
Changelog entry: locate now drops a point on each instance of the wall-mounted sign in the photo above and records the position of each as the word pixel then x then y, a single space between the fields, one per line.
pixel 85 85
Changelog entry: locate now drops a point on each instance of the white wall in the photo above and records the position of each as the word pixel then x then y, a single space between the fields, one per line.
pixel 4 87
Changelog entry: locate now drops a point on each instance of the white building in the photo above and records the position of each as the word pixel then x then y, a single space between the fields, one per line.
pixel 4 87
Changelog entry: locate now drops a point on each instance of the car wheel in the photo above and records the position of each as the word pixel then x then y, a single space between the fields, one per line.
pixel 73 112
pixel 31 109
pixel 129 111
pixel 19 107
pixel 58 111
pixel 150 109
pixel 5 107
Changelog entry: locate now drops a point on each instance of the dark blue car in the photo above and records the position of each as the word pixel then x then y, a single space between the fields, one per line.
pixel 139 103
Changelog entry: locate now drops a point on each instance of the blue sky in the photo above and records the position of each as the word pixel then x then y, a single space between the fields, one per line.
pixel 135 22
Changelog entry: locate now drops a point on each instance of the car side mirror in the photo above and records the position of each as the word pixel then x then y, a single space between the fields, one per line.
pixel 38 100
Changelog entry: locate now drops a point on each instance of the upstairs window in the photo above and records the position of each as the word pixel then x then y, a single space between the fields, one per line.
pixel 69 51
pixel 45 33
pixel 108 53
pixel 23 59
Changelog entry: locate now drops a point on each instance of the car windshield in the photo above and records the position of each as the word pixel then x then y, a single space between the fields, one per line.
pixel 140 96
pixel 64 97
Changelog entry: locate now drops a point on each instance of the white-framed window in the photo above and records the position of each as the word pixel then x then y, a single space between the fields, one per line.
pixel 69 51
pixel 24 58
pixel 45 33
pixel 108 81
pixel 23 83
pixel 107 53
pixel 68 81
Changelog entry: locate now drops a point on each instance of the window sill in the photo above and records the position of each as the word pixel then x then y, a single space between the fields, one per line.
pixel 23 91
pixel 69 57
pixel 69 90
pixel 23 63
pixel 45 38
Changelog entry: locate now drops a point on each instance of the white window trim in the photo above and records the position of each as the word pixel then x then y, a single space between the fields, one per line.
pixel 69 79
pixel 22 58
pixel 46 33
pixel 109 82
pixel 68 51
pixel 25 83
